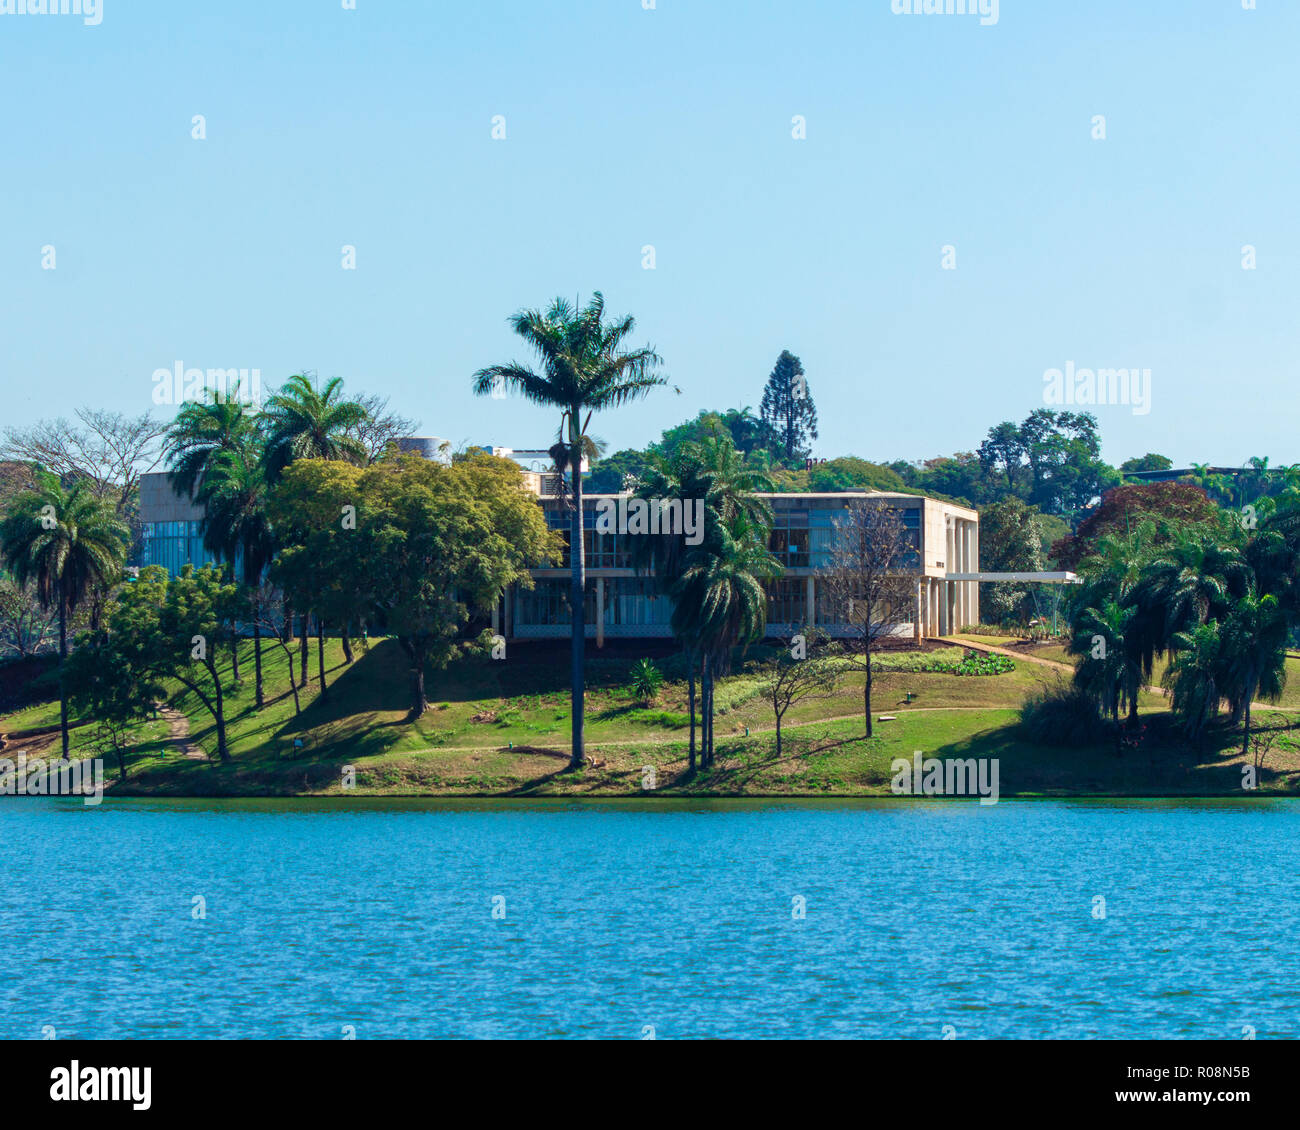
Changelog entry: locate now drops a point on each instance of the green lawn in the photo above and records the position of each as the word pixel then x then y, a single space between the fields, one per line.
pixel 502 728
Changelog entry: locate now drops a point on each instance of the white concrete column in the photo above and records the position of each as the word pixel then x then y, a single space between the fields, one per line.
pixel 943 608
pixel 600 611
pixel 918 628
pixel 975 568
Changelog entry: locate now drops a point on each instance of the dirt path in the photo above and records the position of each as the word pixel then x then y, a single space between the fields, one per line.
pixel 1028 657
pixel 178 732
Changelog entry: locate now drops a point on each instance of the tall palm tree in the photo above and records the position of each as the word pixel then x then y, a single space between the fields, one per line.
pixel 1253 655
pixel 205 431
pixel 720 602
pixel 236 526
pixel 711 472
pixel 304 422
pixel 583 369
pixel 68 544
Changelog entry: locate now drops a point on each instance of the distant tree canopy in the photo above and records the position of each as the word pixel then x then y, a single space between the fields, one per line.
pixel 1011 541
pixel 1051 460
pixel 788 410
pixel 851 473
pixel 1169 505
pixel 1148 462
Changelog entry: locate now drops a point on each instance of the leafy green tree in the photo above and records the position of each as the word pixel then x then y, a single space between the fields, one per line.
pixel 1010 542
pixel 108 683
pixel 1148 462
pixel 848 473
pixel 441 543
pixel 787 410
pixel 67 544
pixel 613 473
pixel 584 369
pixel 164 627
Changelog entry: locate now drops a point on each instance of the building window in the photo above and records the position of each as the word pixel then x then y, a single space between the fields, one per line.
pixel 787 601
pixel 790 538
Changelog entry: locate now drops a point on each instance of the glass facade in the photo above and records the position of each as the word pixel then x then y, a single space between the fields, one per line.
pixel 787 601
pixel 603 551
pixel 174 545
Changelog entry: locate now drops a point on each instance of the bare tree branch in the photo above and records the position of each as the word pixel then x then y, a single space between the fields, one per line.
pixel 110 449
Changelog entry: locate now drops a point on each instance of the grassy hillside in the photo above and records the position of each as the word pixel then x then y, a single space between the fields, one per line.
pixel 501 728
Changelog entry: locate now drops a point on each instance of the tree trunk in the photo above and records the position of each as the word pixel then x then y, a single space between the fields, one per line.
pixel 234 652
pixel 707 739
pixel 293 683
pixel 690 698
pixel 1245 730
pixel 347 643
pixel 257 662
pixel 303 657
pixel 220 714
pixel 63 663
pixel 577 587
pixel 419 699
pixel 866 688
pixel 320 654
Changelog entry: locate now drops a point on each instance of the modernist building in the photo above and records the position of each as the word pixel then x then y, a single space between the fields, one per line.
pixel 622 603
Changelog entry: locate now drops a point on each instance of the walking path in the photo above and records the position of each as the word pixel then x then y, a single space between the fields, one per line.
pixel 178 732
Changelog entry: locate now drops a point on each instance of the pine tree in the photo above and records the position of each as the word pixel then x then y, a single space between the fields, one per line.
pixel 788 411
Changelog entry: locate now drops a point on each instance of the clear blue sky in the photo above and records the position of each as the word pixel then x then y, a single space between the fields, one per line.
pixel 669 127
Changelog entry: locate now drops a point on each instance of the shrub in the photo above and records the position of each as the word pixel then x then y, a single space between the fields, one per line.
pixel 646 679
pixel 1061 715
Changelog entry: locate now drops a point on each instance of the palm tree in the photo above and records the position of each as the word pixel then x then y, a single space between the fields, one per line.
pixel 709 471
pixel 1193 580
pixel 584 369
pixel 1253 655
pixel 721 602
pixel 1108 670
pixel 68 543
pixel 235 524
pixel 1192 678
pixel 303 422
pixel 205 431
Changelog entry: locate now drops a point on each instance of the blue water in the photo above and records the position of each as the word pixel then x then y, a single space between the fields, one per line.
pixel 626 917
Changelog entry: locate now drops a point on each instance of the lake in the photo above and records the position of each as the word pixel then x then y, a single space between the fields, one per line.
pixel 622 919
